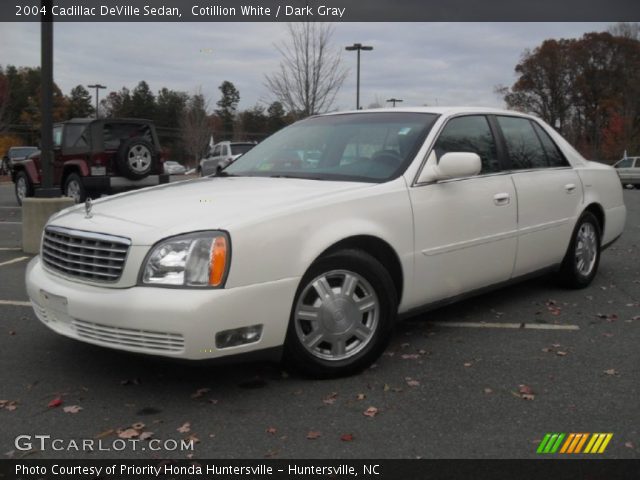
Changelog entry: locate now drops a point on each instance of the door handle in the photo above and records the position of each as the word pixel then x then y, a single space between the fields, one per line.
pixel 570 187
pixel 502 199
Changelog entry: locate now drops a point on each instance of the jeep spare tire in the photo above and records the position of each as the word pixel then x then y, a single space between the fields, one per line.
pixel 135 158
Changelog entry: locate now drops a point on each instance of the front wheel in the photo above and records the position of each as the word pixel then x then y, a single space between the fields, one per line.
pixel 581 261
pixel 342 315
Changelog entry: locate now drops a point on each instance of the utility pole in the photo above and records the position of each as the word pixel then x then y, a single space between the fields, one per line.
pixel 395 100
pixel 46 107
pixel 97 86
pixel 358 47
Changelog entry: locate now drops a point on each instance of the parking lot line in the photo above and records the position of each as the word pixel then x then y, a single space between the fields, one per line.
pixel 15 260
pixel 10 249
pixel 15 303
pixel 10 223
pixel 529 326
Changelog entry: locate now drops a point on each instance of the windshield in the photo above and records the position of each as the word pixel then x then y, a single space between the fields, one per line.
pixel 22 152
pixel 368 147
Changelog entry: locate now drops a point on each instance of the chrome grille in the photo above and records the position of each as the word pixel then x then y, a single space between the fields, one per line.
pixel 129 337
pixel 85 255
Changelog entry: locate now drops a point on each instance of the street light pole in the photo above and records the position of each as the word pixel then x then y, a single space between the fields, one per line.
pixel 395 100
pixel 358 47
pixel 97 86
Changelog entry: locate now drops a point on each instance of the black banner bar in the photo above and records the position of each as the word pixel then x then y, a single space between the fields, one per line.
pixel 29 469
pixel 318 10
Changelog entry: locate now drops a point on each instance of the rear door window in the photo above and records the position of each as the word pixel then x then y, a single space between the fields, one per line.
pixel 524 147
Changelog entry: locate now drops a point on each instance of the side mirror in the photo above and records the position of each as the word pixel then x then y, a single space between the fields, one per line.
pixel 452 165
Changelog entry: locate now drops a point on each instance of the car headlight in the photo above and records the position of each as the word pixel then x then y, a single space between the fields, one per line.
pixel 199 259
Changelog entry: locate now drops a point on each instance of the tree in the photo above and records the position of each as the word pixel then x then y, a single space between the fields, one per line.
pixel 79 104
pixel 626 30
pixel 169 107
pixel 118 104
pixel 253 123
pixel 276 117
pixel 195 129
pixel 4 102
pixel 310 73
pixel 227 106
pixel 143 103
pixel 589 88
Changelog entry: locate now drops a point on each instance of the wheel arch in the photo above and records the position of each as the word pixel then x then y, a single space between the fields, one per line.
pixel 378 249
pixel 68 170
pixel 597 211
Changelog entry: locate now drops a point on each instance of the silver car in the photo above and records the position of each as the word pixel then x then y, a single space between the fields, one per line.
pixel 222 155
pixel 629 171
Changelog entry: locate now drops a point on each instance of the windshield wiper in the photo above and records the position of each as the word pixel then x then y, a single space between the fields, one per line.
pixel 299 177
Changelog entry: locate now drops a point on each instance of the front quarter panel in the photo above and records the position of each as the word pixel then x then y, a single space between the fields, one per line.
pixel 285 244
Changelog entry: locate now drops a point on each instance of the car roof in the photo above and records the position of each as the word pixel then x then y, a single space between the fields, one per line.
pixel 439 110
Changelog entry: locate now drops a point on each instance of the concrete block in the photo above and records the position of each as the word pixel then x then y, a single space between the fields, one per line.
pixel 35 213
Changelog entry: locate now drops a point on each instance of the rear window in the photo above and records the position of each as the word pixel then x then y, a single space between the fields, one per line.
pixel 240 149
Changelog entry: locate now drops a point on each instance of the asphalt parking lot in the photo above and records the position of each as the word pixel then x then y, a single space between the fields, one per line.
pixel 455 383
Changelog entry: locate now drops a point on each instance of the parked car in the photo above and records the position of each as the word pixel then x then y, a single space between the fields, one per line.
pixel 14 154
pixel 629 171
pixel 94 156
pixel 222 155
pixel 404 210
pixel 174 168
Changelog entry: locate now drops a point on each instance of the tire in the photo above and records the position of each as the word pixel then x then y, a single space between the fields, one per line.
pixel 23 186
pixel 354 302
pixel 74 188
pixel 136 158
pixel 581 261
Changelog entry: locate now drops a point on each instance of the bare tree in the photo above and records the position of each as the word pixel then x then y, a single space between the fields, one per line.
pixel 4 101
pixel 626 30
pixel 310 72
pixel 194 127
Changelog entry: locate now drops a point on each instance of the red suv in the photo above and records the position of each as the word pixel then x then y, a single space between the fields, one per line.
pixel 95 156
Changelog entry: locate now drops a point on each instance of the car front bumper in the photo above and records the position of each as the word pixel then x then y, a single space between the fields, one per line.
pixel 171 322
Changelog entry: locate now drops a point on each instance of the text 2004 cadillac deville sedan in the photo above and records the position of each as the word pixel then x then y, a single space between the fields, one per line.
pixel 319 237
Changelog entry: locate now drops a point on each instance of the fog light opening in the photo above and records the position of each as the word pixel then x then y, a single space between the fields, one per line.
pixel 238 336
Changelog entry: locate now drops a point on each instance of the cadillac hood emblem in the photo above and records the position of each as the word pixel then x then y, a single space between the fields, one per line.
pixel 87 208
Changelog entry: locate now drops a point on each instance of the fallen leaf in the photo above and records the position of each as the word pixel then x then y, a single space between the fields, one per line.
pixel 525 389
pixel 386 387
pixel 129 433
pixel 138 426
pixel 200 392
pixel 561 354
pixel 361 396
pixel 370 412
pixel 12 332
pixel 72 409
pixel 347 437
pixel 185 428
pixel 271 430
pixel 193 439
pixel 146 435
pixel 612 371
pixel 556 345
pixel 629 445
pixel 527 396
pixel 411 382
pixel 467 364
pixel 56 402
pixel 213 401
pixel 410 356
pixel 330 399
pixel 312 435
pixel 488 391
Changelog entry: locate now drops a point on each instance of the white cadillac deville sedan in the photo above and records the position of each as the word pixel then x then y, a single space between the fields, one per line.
pixel 320 237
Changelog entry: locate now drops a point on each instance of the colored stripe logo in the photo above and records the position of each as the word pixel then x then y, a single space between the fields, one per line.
pixel 574 443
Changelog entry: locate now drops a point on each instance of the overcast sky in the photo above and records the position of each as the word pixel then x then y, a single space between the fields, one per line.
pixel 421 63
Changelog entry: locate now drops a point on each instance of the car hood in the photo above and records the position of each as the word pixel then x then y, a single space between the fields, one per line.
pixel 150 214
